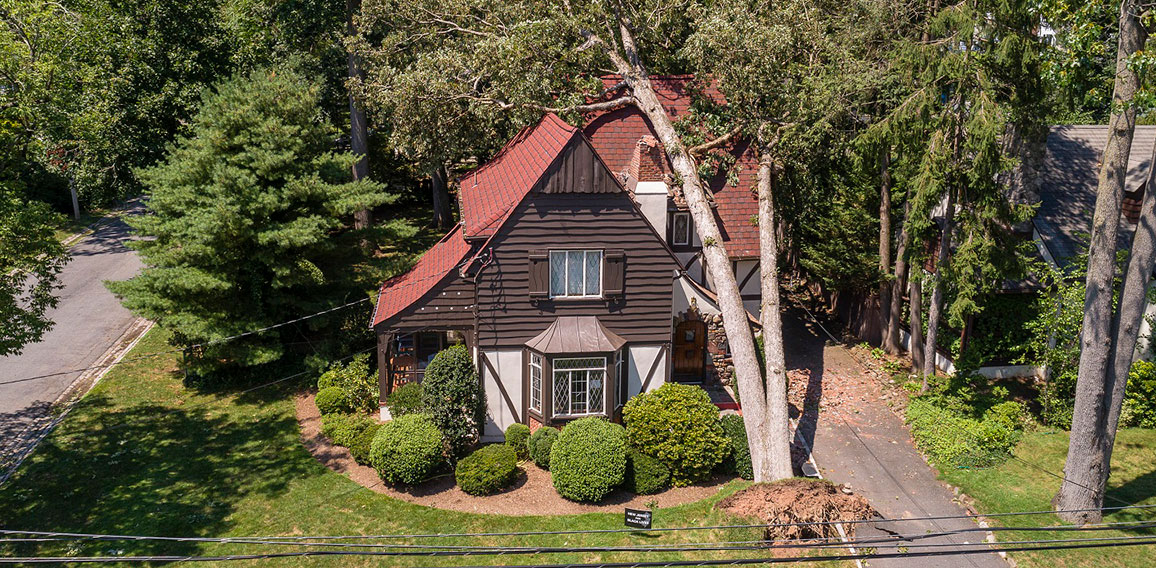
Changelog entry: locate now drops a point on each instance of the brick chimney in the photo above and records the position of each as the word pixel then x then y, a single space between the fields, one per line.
pixel 647 163
pixel 648 171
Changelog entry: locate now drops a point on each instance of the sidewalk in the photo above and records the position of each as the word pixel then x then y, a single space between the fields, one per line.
pixel 858 440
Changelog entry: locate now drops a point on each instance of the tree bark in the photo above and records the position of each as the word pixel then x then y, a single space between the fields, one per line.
pixel 777 462
pixel 1133 300
pixel 886 281
pixel 900 284
pixel 1086 470
pixel 935 312
pixel 439 186
pixel 916 294
pixel 358 131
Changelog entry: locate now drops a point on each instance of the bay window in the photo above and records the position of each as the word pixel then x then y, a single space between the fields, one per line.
pixel 579 385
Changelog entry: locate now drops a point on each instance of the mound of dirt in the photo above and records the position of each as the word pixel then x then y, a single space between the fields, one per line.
pixel 799 501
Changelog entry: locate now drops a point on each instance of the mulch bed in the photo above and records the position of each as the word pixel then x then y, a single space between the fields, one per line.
pixel 799 501
pixel 533 494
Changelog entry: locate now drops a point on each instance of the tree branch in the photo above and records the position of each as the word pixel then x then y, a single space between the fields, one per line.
pixel 712 144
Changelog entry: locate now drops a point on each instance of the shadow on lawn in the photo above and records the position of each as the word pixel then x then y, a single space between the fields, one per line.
pixel 151 470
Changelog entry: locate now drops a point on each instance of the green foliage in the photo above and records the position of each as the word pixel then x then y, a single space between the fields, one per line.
pixel 678 425
pixel 454 399
pixel 488 470
pixel 362 444
pixel 645 475
pixel 589 459
pixel 739 460
pixel 540 444
pixel 356 380
pixel 407 450
pixel 1140 397
pixel 343 429
pixel 30 261
pixel 1079 68
pixel 1001 332
pixel 518 437
pixel 406 399
pixel 953 439
pixel 332 400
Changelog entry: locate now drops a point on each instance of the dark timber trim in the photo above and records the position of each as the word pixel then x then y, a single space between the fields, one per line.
pixel 662 356
pixel 501 386
pixel 747 278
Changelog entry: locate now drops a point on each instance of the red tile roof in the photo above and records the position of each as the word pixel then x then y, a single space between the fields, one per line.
pixel 615 135
pixel 489 193
pixel 399 292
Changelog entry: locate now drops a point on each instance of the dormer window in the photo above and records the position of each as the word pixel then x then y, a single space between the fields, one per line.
pixel 680 232
pixel 576 273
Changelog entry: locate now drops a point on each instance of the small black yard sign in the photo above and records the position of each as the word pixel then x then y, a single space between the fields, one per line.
pixel 638 519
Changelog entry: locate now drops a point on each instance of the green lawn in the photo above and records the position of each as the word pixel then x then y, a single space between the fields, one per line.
pixel 1017 486
pixel 143 455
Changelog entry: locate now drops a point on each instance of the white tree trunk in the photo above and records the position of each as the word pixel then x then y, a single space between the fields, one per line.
pixel 1086 469
pixel 935 312
pixel 899 286
pixel 886 284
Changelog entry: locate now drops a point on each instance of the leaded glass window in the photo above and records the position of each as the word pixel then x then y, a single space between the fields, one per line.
pixel 579 385
pixel 575 273
pixel 536 382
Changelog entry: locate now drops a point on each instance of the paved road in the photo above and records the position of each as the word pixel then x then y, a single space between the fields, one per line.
pixel 858 440
pixel 89 320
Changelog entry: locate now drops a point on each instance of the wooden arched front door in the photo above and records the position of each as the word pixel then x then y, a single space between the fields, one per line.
pixel 689 351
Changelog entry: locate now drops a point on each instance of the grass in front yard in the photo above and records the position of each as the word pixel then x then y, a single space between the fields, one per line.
pixel 1017 486
pixel 144 455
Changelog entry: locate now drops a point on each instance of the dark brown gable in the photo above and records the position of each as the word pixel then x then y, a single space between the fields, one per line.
pixel 449 305
pixel 578 170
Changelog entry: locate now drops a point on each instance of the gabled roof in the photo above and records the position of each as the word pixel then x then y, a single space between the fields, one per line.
pixel 576 334
pixel 615 134
pixel 1068 183
pixel 489 193
pixel 399 292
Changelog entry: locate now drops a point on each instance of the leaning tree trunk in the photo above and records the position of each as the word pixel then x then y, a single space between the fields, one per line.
pixel 439 186
pixel 916 294
pixel 885 283
pixel 778 443
pixel 900 284
pixel 358 131
pixel 935 312
pixel 1133 300
pixel 1086 470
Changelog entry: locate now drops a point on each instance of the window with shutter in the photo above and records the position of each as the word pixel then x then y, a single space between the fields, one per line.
pixel 614 276
pixel 539 274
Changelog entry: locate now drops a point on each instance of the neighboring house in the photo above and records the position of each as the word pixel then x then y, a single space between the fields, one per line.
pixel 561 286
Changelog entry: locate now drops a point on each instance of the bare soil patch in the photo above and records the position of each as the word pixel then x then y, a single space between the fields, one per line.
pixel 533 494
pixel 799 501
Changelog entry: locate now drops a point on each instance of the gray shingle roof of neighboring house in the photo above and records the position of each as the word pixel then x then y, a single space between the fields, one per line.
pixel 1068 185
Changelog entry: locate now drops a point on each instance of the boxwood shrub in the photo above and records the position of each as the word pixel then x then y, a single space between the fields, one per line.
pixel 332 400
pixel 362 443
pixel 488 470
pixel 644 474
pixel 518 437
pixel 739 461
pixel 406 399
pixel 454 399
pixel 588 460
pixel 541 441
pixel 407 450
pixel 342 429
pixel 678 425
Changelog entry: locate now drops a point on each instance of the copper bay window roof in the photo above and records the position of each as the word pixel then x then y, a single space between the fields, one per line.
pixel 576 334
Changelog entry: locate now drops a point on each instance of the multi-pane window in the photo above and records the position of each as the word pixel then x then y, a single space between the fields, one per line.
pixel 536 382
pixel 575 273
pixel 681 229
pixel 578 386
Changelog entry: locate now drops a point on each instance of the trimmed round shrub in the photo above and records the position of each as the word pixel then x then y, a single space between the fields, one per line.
pixel 739 461
pixel 518 437
pixel 678 425
pixel 589 459
pixel 356 380
pixel 343 428
pixel 488 470
pixel 362 443
pixel 644 474
pixel 331 400
pixel 405 399
pixel 406 451
pixel 540 443
pixel 454 400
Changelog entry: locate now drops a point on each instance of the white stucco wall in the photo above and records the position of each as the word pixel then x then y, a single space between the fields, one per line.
pixel 639 359
pixel 684 291
pixel 651 197
pixel 508 364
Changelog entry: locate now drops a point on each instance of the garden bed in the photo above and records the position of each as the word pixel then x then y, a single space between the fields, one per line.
pixel 533 494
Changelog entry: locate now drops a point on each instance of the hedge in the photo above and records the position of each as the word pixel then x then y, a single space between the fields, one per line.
pixel 406 399
pixel 739 461
pixel 541 441
pixel 488 470
pixel 518 437
pixel 363 443
pixel 407 450
pixel 342 429
pixel 644 474
pixel 589 459
pixel 454 400
pixel 332 400
pixel 679 426
pixel 952 439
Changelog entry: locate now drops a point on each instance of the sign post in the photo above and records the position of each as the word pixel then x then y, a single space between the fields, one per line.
pixel 638 518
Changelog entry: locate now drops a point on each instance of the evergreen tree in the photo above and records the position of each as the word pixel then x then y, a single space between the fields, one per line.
pixel 248 219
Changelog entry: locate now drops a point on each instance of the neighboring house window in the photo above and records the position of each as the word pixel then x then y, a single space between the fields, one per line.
pixel 681 229
pixel 575 273
pixel 536 382
pixel 578 385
